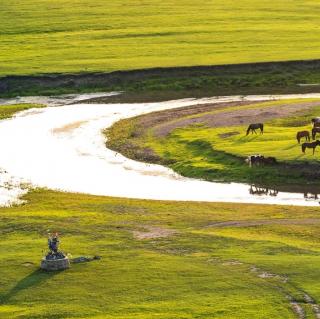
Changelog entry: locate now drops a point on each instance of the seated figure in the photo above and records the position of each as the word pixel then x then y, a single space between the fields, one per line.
pixel 53 245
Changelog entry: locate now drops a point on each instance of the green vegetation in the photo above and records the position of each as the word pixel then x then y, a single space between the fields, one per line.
pixel 7 111
pixel 174 83
pixel 41 36
pixel 217 153
pixel 200 271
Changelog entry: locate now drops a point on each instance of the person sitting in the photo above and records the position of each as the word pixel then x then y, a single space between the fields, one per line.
pixel 53 243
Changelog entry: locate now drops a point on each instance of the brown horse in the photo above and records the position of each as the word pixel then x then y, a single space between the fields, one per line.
pixel 302 134
pixel 315 130
pixel 254 127
pixel 312 145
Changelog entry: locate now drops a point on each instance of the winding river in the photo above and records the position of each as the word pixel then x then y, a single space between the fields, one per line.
pixel 62 148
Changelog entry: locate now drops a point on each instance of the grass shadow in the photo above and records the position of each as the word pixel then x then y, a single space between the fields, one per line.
pixel 33 279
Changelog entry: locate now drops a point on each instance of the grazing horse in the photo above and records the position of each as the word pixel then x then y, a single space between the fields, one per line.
pixel 254 127
pixel 302 134
pixel 315 122
pixel 315 130
pixel 312 145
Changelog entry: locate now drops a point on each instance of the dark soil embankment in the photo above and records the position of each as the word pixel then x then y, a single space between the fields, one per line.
pixel 169 83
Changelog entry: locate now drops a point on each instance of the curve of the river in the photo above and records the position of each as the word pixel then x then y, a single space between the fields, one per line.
pixel 63 148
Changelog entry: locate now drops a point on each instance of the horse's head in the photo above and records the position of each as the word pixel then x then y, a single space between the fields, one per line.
pixel 317 142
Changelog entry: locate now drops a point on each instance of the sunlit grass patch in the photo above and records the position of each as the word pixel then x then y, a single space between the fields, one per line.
pixel 7 111
pixel 79 36
pixel 199 271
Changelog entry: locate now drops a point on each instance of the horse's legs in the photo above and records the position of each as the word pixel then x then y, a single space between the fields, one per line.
pixel 254 130
pixel 313 150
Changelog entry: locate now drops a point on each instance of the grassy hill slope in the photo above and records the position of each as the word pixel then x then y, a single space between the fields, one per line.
pixel 43 36
pixel 159 259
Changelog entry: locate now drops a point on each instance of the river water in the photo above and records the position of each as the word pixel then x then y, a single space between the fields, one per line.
pixel 63 148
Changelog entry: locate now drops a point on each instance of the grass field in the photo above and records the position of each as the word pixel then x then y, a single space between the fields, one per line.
pixel 7 111
pixel 194 148
pixel 42 36
pixel 198 271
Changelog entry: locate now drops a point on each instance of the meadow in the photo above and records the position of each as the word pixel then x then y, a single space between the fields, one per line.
pixel 42 36
pixel 7 111
pixel 193 147
pixel 261 265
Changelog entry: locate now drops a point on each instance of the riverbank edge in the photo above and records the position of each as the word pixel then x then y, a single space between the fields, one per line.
pixel 158 84
pixel 125 135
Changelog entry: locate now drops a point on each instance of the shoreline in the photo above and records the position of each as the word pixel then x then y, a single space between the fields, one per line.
pixel 159 84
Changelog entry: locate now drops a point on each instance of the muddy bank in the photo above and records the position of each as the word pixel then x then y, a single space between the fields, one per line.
pixel 232 117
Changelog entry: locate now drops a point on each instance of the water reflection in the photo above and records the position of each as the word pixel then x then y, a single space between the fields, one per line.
pixel 258 190
pixel 309 193
pixel 310 196
pixel 79 162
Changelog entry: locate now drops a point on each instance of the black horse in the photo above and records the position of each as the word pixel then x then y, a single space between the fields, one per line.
pixel 254 127
pixel 312 145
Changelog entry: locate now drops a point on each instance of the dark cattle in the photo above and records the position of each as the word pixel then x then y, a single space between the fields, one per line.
pixel 257 160
pixel 254 127
pixel 302 134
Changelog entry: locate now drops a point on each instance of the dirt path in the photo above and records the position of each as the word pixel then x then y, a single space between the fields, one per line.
pixel 252 223
pixel 281 283
pixel 152 232
pixel 230 117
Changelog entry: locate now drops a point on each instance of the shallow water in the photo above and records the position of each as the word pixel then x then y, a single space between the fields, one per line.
pixel 63 148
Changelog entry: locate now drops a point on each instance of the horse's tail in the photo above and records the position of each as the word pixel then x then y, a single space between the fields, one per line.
pixel 248 130
pixel 313 131
pixel 261 127
pixel 298 137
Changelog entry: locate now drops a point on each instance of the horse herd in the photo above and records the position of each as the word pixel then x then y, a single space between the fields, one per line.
pixel 315 129
pixel 257 160
pixel 301 134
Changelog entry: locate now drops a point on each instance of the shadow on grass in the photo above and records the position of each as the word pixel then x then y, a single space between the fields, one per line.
pixel 30 281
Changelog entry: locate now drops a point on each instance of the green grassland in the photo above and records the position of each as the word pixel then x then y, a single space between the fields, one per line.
pixel 203 152
pixel 198 272
pixel 7 111
pixel 43 36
